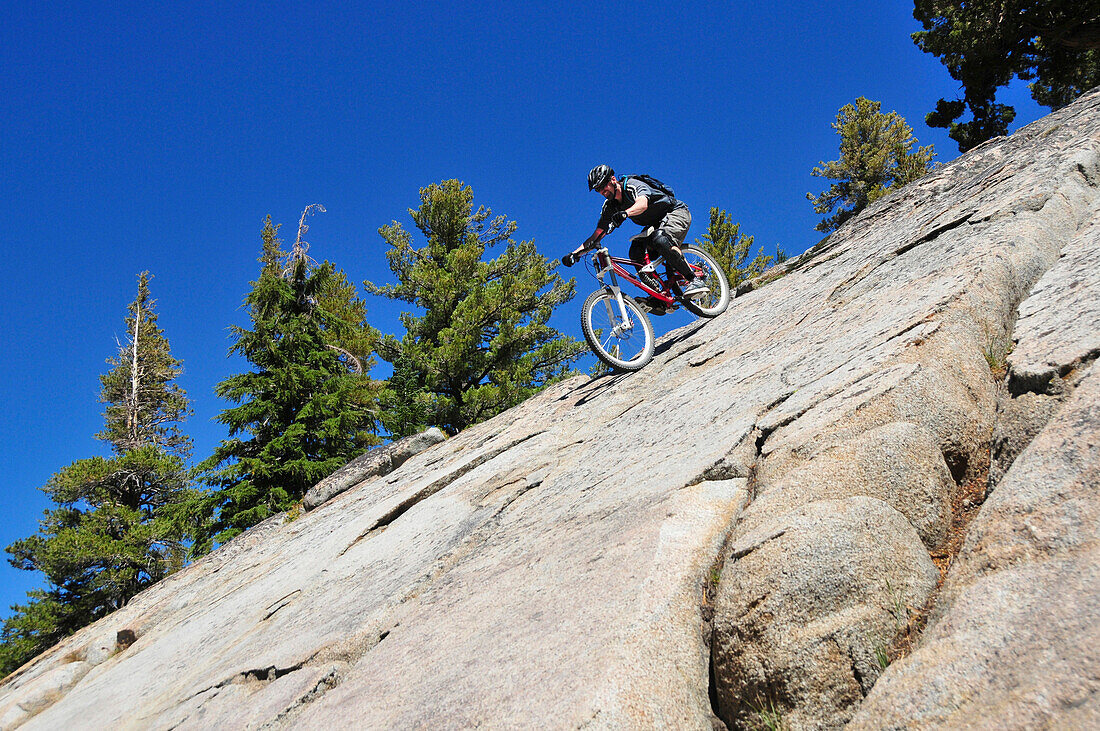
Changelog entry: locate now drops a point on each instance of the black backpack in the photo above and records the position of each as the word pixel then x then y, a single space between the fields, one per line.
pixel 652 182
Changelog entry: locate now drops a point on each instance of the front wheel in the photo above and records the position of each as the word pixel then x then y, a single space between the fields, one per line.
pixel 714 302
pixel 623 345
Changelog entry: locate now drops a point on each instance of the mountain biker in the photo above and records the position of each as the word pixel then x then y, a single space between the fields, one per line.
pixel 646 206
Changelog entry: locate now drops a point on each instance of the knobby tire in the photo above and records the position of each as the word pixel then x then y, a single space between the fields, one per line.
pixel 716 301
pixel 628 350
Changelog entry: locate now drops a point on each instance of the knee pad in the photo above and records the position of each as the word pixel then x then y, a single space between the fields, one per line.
pixel 673 257
pixel 663 243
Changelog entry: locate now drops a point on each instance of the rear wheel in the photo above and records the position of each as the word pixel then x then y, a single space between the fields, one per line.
pixel 625 346
pixel 714 302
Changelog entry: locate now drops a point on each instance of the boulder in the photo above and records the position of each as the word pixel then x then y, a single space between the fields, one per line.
pixel 898 463
pixel 379 461
pixel 809 604
pixel 1015 641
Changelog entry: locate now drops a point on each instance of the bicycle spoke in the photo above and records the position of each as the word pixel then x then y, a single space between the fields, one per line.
pixel 716 299
pixel 625 344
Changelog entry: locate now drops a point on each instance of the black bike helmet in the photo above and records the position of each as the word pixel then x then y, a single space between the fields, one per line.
pixel 599 176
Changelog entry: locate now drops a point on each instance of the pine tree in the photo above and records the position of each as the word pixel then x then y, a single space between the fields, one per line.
pixel 875 157
pixel 117 528
pixel 985 43
pixel 483 342
pixel 725 242
pixel 405 403
pixel 306 408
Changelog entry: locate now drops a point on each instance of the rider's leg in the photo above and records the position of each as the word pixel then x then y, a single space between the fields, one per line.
pixel 673 256
pixel 638 251
pixel 674 227
pixel 639 254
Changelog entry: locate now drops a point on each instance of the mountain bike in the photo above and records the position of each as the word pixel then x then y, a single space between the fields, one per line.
pixel 617 326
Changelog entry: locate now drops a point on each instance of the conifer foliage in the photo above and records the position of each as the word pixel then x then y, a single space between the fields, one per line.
pixel 115 529
pixel 731 248
pixel 303 410
pixel 482 343
pixel 406 407
pixel 875 157
pixel 1055 44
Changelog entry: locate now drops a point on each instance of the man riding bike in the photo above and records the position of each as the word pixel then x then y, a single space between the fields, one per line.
pixel 646 205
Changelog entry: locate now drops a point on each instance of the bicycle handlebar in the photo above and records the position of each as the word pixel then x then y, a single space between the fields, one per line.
pixel 571 258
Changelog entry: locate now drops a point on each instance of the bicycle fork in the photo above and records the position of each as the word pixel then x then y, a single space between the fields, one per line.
pixel 624 323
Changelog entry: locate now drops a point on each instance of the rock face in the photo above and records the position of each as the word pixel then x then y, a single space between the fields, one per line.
pixel 1015 641
pixel 745 532
pixel 801 615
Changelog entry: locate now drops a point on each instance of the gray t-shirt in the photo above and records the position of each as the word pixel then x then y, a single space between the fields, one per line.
pixel 659 204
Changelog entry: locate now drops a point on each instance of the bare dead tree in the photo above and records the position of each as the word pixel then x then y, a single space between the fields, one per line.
pixel 132 415
pixel 298 253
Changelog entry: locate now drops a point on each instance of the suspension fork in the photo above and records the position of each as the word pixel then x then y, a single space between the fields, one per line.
pixel 624 316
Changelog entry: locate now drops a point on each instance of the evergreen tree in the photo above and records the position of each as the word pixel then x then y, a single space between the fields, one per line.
pixel 406 406
pixel 985 43
pixel 730 248
pixel 306 408
pixel 482 343
pixel 875 157
pixel 117 528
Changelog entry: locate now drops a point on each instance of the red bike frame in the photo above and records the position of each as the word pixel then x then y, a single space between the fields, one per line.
pixel 606 263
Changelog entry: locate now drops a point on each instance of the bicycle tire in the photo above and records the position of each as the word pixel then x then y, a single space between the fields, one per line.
pixel 716 301
pixel 600 321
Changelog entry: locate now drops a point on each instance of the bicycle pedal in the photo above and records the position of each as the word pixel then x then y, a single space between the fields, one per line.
pixel 652 306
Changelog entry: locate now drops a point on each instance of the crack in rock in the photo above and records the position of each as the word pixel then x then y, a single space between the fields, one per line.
pixel 705 358
pixel 1048 383
pixel 864 686
pixel 748 547
pixel 280 603
pixel 422 494
pixel 377 462
pixel 264 676
pixel 935 232
pixel 324 685
pixel 685 350
pixel 476 537
pixel 738 462
pixel 838 292
pixel 341 659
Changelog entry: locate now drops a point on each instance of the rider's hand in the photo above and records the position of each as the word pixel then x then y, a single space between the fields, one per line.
pixel 618 217
pixel 569 259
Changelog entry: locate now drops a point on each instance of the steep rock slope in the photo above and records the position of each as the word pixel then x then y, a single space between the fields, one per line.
pixel 824 583
pixel 744 528
pixel 1015 640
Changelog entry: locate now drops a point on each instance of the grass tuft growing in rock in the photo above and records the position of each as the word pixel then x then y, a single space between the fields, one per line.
pixel 996 352
pixel 766 715
pixel 882 657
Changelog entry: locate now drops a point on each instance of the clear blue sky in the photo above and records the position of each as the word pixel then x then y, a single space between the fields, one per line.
pixel 158 136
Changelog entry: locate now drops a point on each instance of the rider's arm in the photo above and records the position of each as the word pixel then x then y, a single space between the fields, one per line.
pixel 638 206
pixel 591 241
